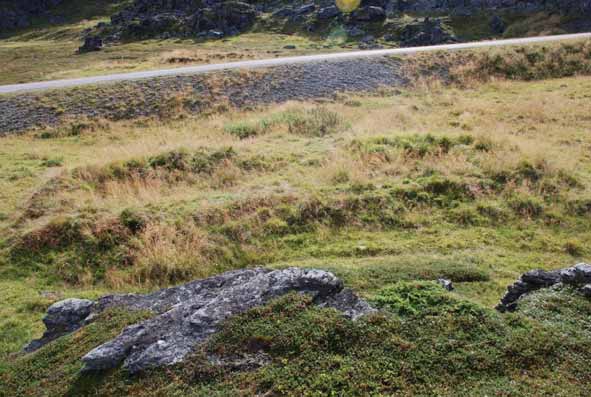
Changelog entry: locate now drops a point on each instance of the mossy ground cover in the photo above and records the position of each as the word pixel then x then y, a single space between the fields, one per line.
pixel 425 341
pixel 388 191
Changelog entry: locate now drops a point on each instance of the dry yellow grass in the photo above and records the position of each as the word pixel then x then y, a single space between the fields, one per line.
pixel 524 121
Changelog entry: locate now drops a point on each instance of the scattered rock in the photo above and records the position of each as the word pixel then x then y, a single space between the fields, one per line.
pixel 185 316
pixel 329 12
pixel 429 31
pixel 305 9
pixel 578 276
pixel 446 284
pixel 369 14
pixel 91 43
pixel 389 37
pixel 355 32
pixel 368 39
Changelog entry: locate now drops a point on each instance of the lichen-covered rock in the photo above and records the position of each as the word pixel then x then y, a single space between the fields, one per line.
pixel 578 276
pixel 185 316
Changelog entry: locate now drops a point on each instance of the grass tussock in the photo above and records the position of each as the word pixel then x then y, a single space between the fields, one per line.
pixel 308 122
pixel 165 254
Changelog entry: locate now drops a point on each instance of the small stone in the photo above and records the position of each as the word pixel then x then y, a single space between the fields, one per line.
pixel 446 284
pixel 329 12
pixel 215 34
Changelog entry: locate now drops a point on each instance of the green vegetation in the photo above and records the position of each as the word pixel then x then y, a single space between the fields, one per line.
pixel 424 342
pixel 476 182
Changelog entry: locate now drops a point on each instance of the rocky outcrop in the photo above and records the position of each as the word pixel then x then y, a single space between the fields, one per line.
pixel 19 14
pixel 185 316
pixel 578 276
pixel 219 18
pixel 429 31
pixel 91 43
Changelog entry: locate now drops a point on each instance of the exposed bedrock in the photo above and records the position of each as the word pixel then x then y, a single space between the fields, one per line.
pixel 578 277
pixel 186 315
pixel 214 19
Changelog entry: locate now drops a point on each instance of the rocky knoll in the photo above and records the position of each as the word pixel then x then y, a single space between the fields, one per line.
pixel 18 14
pixel 578 276
pixel 186 315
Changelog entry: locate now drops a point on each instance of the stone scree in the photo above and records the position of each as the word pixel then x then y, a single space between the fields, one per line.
pixel 186 315
pixel 578 276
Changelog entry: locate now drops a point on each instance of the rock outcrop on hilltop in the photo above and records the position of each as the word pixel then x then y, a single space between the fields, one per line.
pixel 578 277
pixel 18 14
pixel 185 316
pixel 214 19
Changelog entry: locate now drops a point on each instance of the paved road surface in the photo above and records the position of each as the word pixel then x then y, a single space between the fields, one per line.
pixel 263 63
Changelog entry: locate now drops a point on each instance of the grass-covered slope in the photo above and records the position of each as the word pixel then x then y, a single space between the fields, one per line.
pixel 388 191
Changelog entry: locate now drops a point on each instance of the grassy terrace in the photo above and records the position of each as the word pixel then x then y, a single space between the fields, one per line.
pixel 388 191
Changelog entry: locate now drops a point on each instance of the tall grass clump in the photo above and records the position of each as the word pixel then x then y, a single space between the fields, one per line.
pixel 164 254
pixel 316 122
pixel 525 63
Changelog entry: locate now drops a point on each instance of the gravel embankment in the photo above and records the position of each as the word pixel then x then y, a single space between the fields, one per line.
pixel 141 98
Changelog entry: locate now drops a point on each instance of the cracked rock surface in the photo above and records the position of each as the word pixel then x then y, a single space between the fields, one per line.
pixel 186 315
pixel 578 276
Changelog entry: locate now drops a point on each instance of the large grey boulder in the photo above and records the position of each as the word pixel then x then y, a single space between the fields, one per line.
pixel 185 316
pixel 578 276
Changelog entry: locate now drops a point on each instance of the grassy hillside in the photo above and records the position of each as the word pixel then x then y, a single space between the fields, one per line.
pixel 477 182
